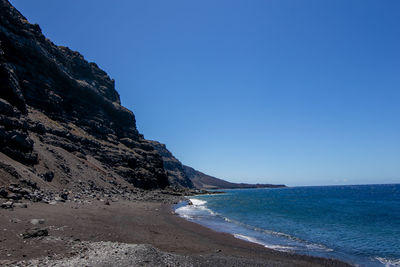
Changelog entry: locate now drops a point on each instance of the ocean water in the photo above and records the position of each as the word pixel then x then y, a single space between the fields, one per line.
pixel 358 224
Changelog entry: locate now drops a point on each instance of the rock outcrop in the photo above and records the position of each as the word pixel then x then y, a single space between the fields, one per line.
pixel 175 169
pixel 184 176
pixel 205 182
pixel 62 125
pixel 63 131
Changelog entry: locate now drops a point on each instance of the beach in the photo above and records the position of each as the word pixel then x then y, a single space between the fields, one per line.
pixel 126 233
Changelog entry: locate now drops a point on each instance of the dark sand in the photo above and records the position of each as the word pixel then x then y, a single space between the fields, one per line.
pixel 133 223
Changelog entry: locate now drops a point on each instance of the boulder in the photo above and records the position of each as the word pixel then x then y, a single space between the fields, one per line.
pixel 22 142
pixel 35 233
pixel 3 192
pixel 7 205
pixel 48 176
pixel 14 196
pixel 37 221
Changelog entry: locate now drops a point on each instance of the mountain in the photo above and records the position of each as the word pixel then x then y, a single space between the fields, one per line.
pixel 175 169
pixel 63 128
pixel 204 181
pixel 62 125
pixel 185 176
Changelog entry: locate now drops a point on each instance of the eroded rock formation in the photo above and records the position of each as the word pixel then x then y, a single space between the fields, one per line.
pixel 61 121
pixel 175 169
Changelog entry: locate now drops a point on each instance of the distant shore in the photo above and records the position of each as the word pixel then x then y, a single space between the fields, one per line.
pixel 95 233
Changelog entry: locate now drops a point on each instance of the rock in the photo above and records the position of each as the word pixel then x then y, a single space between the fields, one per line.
pixel 3 192
pixel 48 176
pixel 204 182
pixel 30 183
pixel 14 196
pixel 39 128
pixel 6 108
pixel 15 188
pixel 22 142
pixel 35 233
pixel 80 155
pixel 7 205
pixel 36 197
pixel 175 169
pixel 25 191
pixel 65 109
pixel 37 221
pixel 15 220
pixel 64 196
pixel 59 199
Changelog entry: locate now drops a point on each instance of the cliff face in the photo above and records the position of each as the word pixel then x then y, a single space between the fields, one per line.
pixel 61 118
pixel 204 181
pixel 184 176
pixel 62 125
pixel 175 169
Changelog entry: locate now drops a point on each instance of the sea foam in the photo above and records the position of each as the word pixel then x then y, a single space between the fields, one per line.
pixel 197 202
pixel 254 240
pixel 388 262
pixel 197 209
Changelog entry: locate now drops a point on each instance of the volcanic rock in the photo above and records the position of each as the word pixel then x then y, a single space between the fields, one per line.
pixel 61 119
pixel 35 233
pixel 175 170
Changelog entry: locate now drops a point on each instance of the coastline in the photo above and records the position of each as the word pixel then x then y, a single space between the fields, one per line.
pixel 75 231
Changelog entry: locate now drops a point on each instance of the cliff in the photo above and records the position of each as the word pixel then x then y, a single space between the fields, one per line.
pixel 62 125
pixel 187 177
pixel 175 169
pixel 205 182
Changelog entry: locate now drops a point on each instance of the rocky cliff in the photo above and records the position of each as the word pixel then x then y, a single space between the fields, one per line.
pixel 61 121
pixel 187 177
pixel 175 169
pixel 205 182
pixel 62 126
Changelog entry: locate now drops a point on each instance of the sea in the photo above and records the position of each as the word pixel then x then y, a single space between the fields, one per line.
pixel 358 224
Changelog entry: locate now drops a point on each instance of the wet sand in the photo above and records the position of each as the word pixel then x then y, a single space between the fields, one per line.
pixel 73 229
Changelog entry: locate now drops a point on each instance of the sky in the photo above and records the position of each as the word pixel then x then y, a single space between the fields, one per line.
pixel 269 91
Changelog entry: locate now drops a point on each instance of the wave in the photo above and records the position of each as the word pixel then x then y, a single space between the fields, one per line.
pixel 197 211
pixel 388 262
pixel 301 243
pixel 254 240
pixel 197 202
pixel 248 238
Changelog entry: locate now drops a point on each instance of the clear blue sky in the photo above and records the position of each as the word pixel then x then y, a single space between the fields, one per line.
pixel 295 92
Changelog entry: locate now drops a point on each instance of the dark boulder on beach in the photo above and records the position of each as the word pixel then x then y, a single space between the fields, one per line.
pixel 35 233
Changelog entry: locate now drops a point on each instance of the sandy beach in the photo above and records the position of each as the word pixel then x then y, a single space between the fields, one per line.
pixel 96 234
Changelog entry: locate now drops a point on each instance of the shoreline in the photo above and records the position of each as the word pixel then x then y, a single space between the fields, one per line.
pixel 74 228
pixel 224 225
pixel 240 236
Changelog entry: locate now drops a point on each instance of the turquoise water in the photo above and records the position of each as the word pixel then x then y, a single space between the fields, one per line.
pixel 358 224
